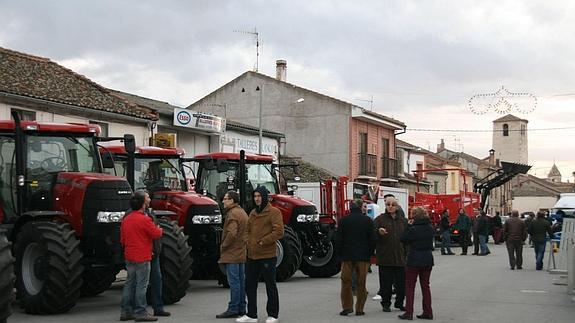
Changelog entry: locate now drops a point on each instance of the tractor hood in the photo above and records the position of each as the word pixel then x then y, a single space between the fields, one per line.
pixel 289 199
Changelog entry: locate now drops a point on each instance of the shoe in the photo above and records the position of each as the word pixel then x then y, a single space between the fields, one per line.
pixel 519 267
pixel 425 317
pixel 400 307
pixel 512 268
pixel 162 313
pixel 377 297
pixel 272 319
pixel 146 318
pixel 227 315
pixel 450 253
pixel 246 319
pixel 386 309
pixel 488 252
pixel 127 317
pixel 359 313
pixel 443 253
pixel 345 312
pixel 482 254
pixel 405 316
pixel 475 253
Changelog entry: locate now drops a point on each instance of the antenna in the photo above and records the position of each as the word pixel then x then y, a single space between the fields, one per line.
pixel 257 36
pixel 370 102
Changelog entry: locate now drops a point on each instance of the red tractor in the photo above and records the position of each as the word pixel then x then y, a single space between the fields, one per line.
pixel 160 172
pixel 307 242
pixel 60 212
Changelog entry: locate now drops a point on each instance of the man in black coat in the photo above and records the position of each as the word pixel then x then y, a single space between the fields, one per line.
pixel 355 241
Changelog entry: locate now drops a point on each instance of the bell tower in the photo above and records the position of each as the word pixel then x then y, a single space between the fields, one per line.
pixel 510 139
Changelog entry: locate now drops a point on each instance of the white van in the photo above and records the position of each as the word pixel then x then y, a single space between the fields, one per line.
pixel 566 203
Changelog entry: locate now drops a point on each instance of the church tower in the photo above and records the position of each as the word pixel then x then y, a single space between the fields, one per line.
pixel 554 174
pixel 510 139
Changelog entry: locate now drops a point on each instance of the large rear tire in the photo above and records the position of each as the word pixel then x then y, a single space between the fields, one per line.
pixel 97 281
pixel 289 255
pixel 48 267
pixel 175 262
pixel 6 278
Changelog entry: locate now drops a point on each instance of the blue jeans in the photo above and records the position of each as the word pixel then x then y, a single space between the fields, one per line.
pixel 237 281
pixel 134 293
pixel 156 285
pixel 483 244
pixel 446 242
pixel 539 253
pixel 266 268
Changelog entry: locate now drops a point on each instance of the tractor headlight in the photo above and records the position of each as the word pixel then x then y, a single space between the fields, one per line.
pixel 207 219
pixel 308 218
pixel 109 217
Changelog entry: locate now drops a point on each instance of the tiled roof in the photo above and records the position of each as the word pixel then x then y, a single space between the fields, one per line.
pixel 40 78
pixel 509 117
pixel 307 172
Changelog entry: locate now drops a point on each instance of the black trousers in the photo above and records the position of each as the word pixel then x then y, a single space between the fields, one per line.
pixel 267 269
pixel 475 243
pixel 464 241
pixel 392 276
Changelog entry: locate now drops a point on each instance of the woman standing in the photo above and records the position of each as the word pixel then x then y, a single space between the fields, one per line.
pixel 419 238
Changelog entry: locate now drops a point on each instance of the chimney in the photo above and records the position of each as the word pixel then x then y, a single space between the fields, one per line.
pixel 441 146
pixel 281 68
pixel 492 156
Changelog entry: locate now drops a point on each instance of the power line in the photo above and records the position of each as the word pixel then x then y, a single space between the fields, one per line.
pixel 493 130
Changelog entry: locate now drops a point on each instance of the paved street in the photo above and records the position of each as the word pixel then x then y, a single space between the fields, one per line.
pixel 464 289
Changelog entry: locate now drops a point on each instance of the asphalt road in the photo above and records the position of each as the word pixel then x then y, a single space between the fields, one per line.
pixel 464 289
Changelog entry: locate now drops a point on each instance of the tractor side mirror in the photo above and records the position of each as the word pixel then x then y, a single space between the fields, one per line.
pixel 107 160
pixel 222 165
pixel 129 143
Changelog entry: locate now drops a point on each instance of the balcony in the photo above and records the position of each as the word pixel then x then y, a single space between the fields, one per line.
pixel 388 167
pixel 367 165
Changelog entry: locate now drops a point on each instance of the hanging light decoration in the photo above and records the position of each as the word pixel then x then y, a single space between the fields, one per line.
pixel 502 101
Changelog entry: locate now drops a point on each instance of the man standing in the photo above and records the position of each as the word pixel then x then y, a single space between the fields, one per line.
pixel 497 226
pixel 233 254
pixel 482 233
pixel 155 269
pixel 390 254
pixel 445 233
pixel 474 228
pixel 355 240
pixel 265 227
pixel 463 224
pixel 514 234
pixel 136 235
pixel 538 229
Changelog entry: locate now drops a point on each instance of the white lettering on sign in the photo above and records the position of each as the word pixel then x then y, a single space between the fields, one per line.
pixel 198 120
pixel 234 142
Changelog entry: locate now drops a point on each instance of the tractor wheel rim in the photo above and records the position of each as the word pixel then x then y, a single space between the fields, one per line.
pixel 32 254
pixel 279 253
pixel 315 261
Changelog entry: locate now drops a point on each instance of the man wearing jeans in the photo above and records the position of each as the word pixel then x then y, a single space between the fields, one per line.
pixel 482 233
pixel 265 228
pixel 538 229
pixel 137 233
pixel 233 254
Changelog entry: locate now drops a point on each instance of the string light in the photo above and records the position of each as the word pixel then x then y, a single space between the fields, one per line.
pixel 505 102
pixel 493 130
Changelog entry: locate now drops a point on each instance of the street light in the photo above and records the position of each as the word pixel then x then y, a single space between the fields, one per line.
pixel 260 136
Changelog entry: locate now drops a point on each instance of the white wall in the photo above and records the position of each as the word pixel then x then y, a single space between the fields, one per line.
pixel 533 203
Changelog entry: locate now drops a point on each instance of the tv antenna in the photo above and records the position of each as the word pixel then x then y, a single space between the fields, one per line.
pixel 370 102
pixel 257 37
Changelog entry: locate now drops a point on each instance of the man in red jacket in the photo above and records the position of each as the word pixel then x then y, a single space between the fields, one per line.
pixel 137 234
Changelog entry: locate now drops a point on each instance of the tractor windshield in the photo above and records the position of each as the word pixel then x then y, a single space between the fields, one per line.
pixel 217 183
pixel 48 154
pixel 158 174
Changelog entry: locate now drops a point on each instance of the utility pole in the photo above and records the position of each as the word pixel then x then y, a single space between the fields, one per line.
pixel 257 37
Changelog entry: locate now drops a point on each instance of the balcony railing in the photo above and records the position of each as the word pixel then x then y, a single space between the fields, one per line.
pixel 388 167
pixel 367 164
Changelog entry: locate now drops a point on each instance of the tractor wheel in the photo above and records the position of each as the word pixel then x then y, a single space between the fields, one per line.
pixel 48 267
pixel 97 281
pixel 289 255
pixel 175 262
pixel 6 279
pixel 320 267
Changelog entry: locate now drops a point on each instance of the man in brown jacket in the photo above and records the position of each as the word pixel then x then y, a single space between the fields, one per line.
pixel 265 227
pixel 514 233
pixel 233 254
pixel 391 255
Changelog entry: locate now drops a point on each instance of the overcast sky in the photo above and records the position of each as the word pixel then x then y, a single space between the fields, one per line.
pixel 420 60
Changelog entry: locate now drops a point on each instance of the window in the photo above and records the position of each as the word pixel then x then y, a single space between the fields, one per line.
pixel 505 130
pixel 385 147
pixel 363 143
pixel 435 187
pixel 103 125
pixel 522 130
pixel 25 114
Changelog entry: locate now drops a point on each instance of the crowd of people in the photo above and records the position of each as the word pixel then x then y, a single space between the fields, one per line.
pixel 402 247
